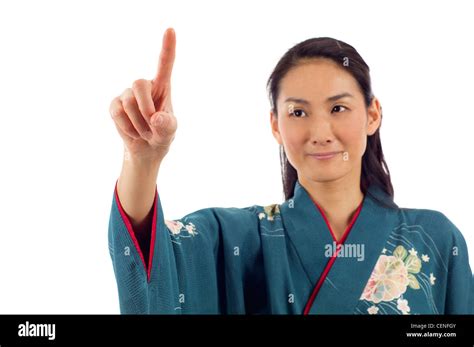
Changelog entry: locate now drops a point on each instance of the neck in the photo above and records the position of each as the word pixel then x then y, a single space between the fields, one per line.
pixel 338 199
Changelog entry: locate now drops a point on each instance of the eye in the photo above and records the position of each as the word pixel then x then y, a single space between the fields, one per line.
pixel 298 113
pixel 338 107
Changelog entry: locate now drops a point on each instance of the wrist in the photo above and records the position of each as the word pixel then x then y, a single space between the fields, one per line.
pixel 144 160
pixel 142 167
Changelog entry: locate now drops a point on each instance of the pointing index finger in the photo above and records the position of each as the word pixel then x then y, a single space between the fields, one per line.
pixel 167 55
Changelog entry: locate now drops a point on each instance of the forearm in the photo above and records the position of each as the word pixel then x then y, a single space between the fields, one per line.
pixel 136 188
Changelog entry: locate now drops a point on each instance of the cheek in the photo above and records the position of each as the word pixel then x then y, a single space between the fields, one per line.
pixel 293 137
pixel 354 138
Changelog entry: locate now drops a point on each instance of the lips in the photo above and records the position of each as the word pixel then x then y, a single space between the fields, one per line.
pixel 324 155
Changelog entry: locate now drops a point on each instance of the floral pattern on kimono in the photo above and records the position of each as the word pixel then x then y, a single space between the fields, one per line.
pixel 392 276
pixel 178 229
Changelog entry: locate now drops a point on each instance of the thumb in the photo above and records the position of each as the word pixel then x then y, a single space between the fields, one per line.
pixel 157 119
pixel 164 123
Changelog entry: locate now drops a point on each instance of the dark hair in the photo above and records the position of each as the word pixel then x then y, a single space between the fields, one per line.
pixel 374 168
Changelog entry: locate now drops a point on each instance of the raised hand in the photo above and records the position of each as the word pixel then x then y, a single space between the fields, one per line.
pixel 143 114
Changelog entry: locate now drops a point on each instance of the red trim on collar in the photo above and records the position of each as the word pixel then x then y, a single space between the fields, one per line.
pixel 331 261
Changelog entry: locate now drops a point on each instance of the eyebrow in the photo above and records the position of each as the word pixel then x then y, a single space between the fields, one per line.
pixel 330 99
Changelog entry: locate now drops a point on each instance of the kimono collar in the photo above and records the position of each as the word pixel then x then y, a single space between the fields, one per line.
pixel 374 192
pixel 309 234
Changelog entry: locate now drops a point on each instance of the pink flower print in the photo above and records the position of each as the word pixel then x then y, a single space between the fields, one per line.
pixel 191 228
pixel 373 309
pixel 174 226
pixel 388 280
pixel 402 305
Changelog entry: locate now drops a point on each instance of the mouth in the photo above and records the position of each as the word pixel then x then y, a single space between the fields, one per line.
pixel 325 155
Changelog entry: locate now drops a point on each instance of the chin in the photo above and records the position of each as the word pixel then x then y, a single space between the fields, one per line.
pixel 325 179
pixel 323 176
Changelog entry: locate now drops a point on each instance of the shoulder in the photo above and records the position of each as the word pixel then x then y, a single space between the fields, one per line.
pixel 251 215
pixel 253 212
pixel 230 217
pixel 435 224
pixel 430 218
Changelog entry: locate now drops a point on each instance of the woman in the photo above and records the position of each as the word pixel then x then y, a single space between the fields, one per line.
pixel 337 245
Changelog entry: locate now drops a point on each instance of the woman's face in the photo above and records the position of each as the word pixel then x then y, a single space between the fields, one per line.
pixel 321 110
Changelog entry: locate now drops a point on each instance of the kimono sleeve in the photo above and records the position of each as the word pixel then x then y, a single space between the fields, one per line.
pixel 182 272
pixel 460 281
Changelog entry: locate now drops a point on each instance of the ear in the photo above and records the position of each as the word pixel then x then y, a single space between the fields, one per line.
pixel 275 128
pixel 374 113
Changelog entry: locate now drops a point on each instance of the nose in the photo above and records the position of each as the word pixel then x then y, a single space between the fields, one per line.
pixel 321 131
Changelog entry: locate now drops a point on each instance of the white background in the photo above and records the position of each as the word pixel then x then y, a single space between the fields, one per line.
pixel 62 62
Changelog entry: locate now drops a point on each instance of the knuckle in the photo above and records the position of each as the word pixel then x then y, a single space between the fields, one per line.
pixel 139 84
pixel 128 99
pixel 115 109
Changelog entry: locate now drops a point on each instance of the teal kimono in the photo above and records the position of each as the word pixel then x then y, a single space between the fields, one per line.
pixel 283 259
